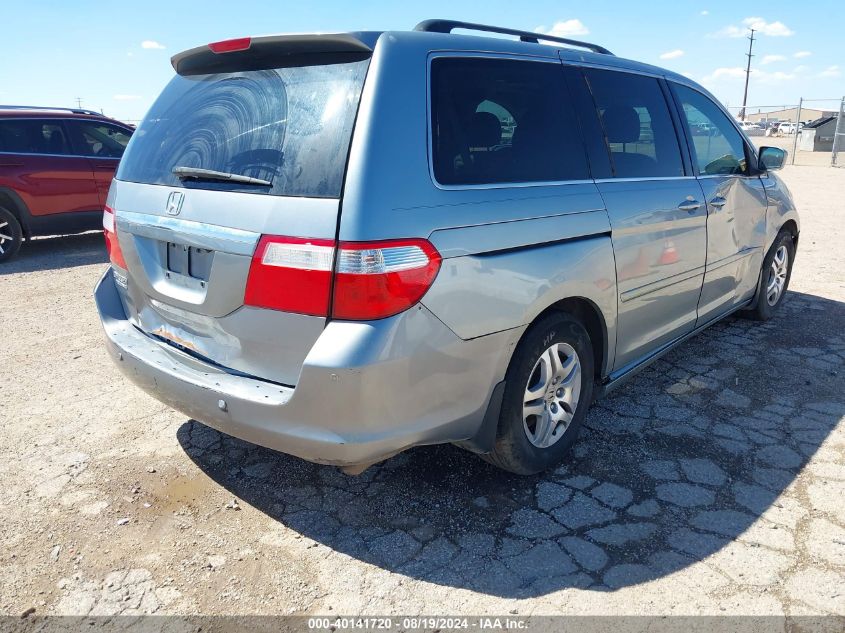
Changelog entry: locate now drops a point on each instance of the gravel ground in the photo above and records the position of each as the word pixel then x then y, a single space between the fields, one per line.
pixel 712 483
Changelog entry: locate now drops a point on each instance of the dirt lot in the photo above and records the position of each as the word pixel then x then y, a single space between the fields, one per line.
pixel 713 483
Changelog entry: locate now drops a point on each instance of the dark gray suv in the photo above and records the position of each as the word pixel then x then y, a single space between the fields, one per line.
pixel 341 246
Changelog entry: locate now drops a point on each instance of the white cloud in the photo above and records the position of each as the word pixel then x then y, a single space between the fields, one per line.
pixel 736 74
pixel 761 26
pixel 771 78
pixel 831 71
pixel 152 44
pixel 126 97
pixel 672 54
pixel 705 12
pixel 564 28
pixel 771 59
pixel 801 54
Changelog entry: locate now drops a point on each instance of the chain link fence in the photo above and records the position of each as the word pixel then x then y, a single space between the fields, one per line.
pixel 807 129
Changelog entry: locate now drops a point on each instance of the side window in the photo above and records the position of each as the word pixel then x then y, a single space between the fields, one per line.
pixel 637 123
pixel 29 136
pixel 717 145
pixel 100 139
pixel 502 121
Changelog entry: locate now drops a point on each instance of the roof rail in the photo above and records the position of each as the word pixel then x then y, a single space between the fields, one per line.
pixel 446 26
pixel 74 110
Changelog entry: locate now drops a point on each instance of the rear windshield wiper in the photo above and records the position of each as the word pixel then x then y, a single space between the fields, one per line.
pixel 195 173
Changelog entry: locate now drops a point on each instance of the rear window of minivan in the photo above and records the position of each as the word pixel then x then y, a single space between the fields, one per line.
pixel 503 121
pixel 291 126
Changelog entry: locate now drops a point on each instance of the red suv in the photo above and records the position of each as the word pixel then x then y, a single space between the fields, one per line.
pixel 56 166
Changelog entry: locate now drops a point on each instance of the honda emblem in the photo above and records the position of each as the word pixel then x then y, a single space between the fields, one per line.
pixel 174 202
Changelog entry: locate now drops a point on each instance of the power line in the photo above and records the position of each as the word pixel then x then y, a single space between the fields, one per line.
pixel 747 74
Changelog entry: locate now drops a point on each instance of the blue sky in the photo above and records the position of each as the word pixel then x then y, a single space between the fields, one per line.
pixel 115 56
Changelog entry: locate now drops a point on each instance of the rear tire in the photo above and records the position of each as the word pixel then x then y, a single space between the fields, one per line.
pixel 549 387
pixel 774 277
pixel 11 235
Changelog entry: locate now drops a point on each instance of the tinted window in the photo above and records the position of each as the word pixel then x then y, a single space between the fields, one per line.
pixel 718 147
pixel 636 121
pixel 291 126
pixel 29 136
pixel 500 121
pixel 99 139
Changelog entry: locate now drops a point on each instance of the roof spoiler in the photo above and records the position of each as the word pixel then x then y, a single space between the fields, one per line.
pixel 269 51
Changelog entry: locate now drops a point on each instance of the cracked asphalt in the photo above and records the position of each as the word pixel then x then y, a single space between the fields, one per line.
pixel 712 483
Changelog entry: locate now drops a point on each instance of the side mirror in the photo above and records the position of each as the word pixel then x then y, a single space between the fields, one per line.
pixel 771 158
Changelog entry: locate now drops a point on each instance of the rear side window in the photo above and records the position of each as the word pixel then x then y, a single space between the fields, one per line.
pixel 32 136
pixel 290 126
pixel 101 140
pixel 717 145
pixel 637 124
pixel 502 121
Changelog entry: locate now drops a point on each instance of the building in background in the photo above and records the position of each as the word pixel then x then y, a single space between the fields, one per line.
pixel 788 114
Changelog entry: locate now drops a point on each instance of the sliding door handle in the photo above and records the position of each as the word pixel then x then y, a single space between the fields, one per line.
pixel 718 202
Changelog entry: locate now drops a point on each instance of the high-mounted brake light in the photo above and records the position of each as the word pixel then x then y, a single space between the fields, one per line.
pixel 231 46
pixel 372 280
pixel 110 233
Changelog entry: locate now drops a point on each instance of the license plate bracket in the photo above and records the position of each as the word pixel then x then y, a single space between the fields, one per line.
pixel 190 261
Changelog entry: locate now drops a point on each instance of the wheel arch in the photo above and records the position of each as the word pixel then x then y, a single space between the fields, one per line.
pixel 9 199
pixel 586 311
pixel 792 226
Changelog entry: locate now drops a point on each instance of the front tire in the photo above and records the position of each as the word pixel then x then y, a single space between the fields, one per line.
pixel 11 235
pixel 548 389
pixel 774 277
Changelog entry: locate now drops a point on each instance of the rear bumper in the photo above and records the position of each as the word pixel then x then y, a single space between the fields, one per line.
pixel 366 391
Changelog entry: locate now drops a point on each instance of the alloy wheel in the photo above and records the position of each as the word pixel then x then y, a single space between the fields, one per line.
pixel 551 395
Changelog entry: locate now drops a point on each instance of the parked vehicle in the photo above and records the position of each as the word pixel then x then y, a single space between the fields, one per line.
pixel 327 244
pixel 56 165
pixel 788 128
pixel 750 129
pixel 773 129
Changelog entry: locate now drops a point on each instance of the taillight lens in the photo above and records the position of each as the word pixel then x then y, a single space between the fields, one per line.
pixel 291 274
pixel 375 280
pixel 110 232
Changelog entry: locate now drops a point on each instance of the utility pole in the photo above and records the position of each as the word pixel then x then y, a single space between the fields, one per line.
pixel 747 74
pixel 79 102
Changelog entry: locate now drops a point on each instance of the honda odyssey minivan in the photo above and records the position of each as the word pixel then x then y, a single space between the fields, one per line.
pixel 344 245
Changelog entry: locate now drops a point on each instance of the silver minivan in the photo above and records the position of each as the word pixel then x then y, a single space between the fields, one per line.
pixel 344 245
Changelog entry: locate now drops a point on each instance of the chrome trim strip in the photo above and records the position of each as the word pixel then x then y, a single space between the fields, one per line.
pixel 210 236
pixel 730 259
pixel 653 286
pixel 643 179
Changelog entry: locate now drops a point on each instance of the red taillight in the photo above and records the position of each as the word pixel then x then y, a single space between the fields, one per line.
pixel 375 280
pixel 110 232
pixel 230 46
pixel 291 274
pixel 372 280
